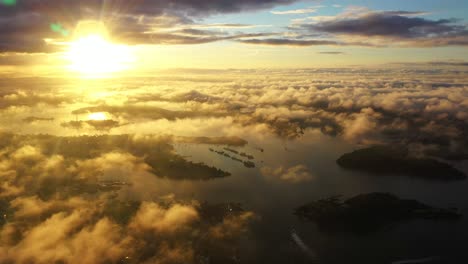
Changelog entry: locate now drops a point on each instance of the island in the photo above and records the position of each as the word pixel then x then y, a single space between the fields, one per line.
pixel 396 160
pixel 247 163
pixel 370 212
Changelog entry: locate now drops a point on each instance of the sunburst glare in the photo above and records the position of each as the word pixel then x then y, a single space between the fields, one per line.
pixel 93 55
pixel 99 116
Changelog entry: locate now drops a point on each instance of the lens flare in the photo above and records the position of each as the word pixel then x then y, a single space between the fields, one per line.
pixel 8 2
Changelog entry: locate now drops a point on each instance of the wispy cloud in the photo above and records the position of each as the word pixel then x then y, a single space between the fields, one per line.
pixel 297 11
pixel 289 42
pixel 332 52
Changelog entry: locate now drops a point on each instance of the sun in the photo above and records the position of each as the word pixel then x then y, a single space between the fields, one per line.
pixel 98 116
pixel 92 54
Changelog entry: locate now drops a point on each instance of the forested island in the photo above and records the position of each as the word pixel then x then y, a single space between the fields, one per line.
pixel 396 160
pixel 368 212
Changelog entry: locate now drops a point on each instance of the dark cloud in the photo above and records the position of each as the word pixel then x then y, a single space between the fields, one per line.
pixel 136 7
pixel 332 52
pixel 396 25
pixel 435 64
pixel 24 32
pixel 193 36
pixel 363 27
pixel 31 119
pixel 24 25
pixel 303 41
pixel 387 24
pixel 448 63
pixel 290 42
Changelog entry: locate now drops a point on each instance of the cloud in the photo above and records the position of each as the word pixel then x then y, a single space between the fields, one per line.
pixel 66 238
pixel 449 63
pixel 33 206
pixel 30 99
pixel 192 36
pixel 216 105
pixel 105 198
pixel 294 174
pixel 364 110
pixel 23 31
pixel 142 111
pixel 225 26
pixel 25 25
pixel 105 125
pixel 193 95
pixel 111 166
pixel 32 119
pixel 296 11
pixel 390 28
pixel 153 218
pixel 76 222
pixel 90 7
pixel 358 126
pixel 156 233
pixel 232 226
pixel 290 42
pixel 332 52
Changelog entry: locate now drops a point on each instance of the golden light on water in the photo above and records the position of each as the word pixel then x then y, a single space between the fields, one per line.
pixel 93 55
pixel 99 116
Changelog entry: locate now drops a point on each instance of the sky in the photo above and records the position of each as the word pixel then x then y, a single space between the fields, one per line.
pixel 239 34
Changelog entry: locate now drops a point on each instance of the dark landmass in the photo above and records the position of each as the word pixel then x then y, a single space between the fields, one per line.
pixel 396 160
pixel 448 154
pixel 215 213
pixel 231 141
pixel 232 150
pixel 242 154
pixel 247 164
pixel 236 159
pixel 5 211
pixel 120 211
pixel 250 157
pixel 214 216
pixel 369 212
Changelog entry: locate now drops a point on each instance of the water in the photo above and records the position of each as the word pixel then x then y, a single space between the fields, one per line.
pixel 275 201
